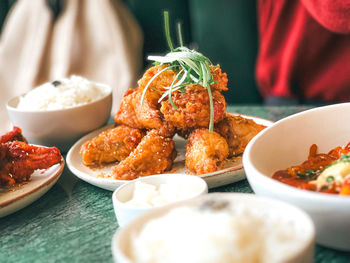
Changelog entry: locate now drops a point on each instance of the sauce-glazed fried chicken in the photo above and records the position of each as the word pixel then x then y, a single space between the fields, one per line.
pixel 181 94
pixel 237 131
pixel 206 151
pixel 112 145
pixel 14 135
pixel 18 161
pixel 219 77
pixel 126 114
pixel 193 107
pixel 187 113
pixel 154 154
pixel 163 80
pixel 145 115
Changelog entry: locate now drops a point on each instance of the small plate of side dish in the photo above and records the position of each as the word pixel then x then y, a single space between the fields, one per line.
pixel 26 171
pixel 304 159
pixel 101 176
pixel 19 196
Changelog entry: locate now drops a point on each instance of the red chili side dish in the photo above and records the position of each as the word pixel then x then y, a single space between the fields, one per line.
pixel 310 174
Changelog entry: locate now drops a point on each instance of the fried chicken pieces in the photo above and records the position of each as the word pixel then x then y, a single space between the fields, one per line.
pixel 112 145
pixel 14 135
pixel 18 160
pixel 206 151
pixel 146 114
pixel 153 155
pixel 192 106
pixel 237 131
pixel 188 114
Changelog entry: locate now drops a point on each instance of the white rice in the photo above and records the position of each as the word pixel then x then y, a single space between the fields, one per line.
pixel 62 94
pixel 232 235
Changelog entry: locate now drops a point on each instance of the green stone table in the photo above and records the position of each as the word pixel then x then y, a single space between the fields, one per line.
pixel 74 221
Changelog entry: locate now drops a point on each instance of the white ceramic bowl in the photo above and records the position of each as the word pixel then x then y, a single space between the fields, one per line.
pixel 126 212
pixel 123 238
pixel 60 128
pixel 287 143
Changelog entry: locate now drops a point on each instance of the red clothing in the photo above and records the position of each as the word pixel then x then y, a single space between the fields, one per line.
pixel 304 49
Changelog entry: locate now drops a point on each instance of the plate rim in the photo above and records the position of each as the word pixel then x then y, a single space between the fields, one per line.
pixel 97 181
pixel 53 177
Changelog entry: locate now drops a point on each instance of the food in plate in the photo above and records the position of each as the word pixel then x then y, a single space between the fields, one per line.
pixel 205 151
pixel 193 103
pixel 136 114
pixel 237 131
pixel 321 172
pixel 14 135
pixel 61 94
pixel 154 154
pixel 218 231
pixel 18 160
pixel 181 93
pixel 112 145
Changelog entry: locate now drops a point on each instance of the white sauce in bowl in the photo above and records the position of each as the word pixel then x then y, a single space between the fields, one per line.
pixel 149 195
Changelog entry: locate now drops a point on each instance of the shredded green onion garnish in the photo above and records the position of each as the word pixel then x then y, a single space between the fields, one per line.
pixel 192 68
pixel 167 30
pixel 179 33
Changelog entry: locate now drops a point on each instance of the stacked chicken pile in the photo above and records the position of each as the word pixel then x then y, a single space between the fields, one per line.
pixel 146 122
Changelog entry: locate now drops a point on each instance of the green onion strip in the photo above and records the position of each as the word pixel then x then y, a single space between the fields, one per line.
pixel 167 30
pixel 174 87
pixel 179 33
pixel 171 87
pixel 205 84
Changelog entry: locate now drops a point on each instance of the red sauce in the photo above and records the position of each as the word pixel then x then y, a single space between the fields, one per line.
pixel 300 175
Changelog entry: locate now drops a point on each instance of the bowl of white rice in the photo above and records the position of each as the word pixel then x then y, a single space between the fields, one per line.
pixel 58 113
pixel 219 227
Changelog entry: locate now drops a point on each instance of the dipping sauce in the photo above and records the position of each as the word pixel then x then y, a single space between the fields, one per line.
pixel 218 231
pixel 62 94
pixel 149 195
pixel 321 172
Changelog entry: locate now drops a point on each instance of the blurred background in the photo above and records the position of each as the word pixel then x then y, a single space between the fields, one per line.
pixel 223 30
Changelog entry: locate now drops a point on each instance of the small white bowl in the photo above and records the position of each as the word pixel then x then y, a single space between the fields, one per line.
pixel 60 128
pixel 272 209
pixel 287 143
pixel 126 212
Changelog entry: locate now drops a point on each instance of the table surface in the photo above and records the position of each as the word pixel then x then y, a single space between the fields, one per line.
pixel 74 221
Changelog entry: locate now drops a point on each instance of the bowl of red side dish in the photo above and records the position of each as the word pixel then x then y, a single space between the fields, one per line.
pixel 304 159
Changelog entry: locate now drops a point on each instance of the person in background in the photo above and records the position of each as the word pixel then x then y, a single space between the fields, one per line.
pixel 304 51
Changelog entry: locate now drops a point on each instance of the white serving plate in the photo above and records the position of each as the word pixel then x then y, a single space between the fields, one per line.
pixel 232 171
pixel 17 197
